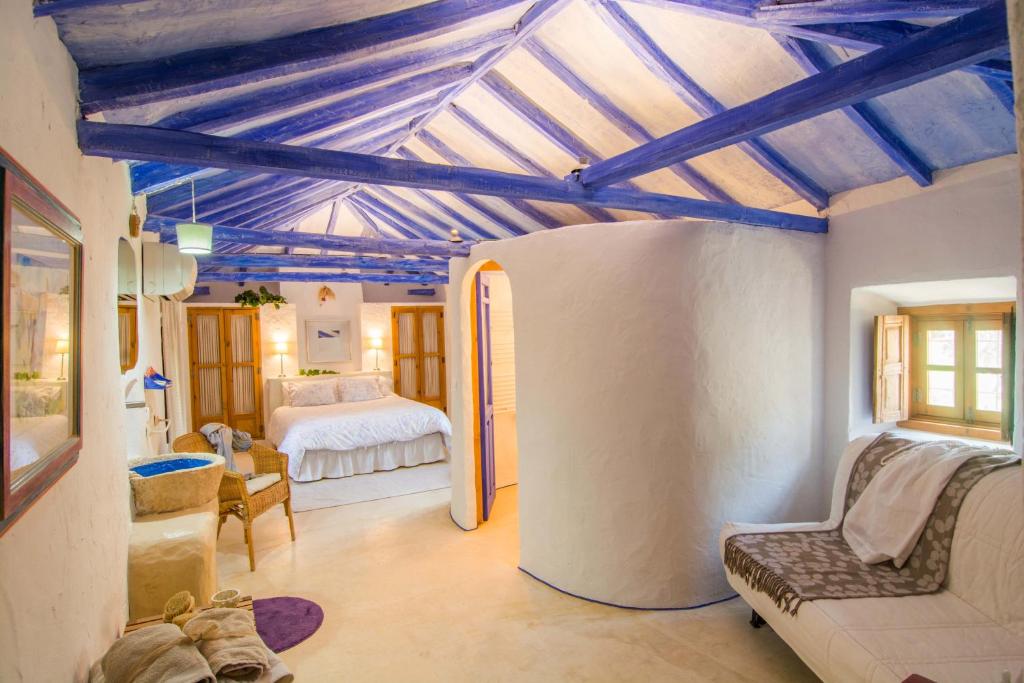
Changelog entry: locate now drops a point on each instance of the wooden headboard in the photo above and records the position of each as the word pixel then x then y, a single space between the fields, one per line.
pixel 273 396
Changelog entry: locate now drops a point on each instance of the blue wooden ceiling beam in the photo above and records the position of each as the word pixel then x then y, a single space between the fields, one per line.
pixel 314 261
pixel 944 48
pixel 814 58
pixel 350 110
pixel 828 11
pixel 702 102
pixel 518 157
pixel 445 151
pixel 396 200
pixel 209 69
pixel 47 8
pixel 414 222
pixel 385 278
pixel 368 225
pixel 232 111
pixel 855 36
pixel 121 141
pixel 357 245
pixel 623 121
pixel 293 207
pixel 447 210
pixel 390 218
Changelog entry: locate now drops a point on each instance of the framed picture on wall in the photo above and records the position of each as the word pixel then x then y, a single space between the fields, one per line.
pixel 328 341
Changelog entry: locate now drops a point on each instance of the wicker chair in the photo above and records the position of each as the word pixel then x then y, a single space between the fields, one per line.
pixel 234 496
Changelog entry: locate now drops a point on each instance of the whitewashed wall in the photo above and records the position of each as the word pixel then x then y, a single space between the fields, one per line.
pixel 345 306
pixel 669 379
pixel 62 565
pixel 966 225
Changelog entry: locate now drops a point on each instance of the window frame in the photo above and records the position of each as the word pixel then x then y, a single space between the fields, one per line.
pixel 964 419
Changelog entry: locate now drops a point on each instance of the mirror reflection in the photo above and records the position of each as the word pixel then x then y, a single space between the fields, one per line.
pixel 127 316
pixel 41 348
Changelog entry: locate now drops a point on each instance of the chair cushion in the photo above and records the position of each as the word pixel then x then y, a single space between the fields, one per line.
pixel 260 482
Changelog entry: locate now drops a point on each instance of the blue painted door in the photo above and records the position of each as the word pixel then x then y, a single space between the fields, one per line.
pixel 485 389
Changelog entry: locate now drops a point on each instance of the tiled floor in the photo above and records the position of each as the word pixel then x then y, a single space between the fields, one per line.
pixel 410 597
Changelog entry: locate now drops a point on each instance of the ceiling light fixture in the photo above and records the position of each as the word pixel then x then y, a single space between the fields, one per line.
pixel 194 238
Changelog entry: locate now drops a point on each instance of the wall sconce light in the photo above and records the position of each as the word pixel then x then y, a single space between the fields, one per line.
pixel 194 238
pixel 63 346
pixel 281 348
pixel 376 343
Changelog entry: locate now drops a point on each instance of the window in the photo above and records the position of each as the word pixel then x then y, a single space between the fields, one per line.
pixel 959 360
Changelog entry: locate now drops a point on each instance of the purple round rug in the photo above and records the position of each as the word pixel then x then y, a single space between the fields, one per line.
pixel 285 622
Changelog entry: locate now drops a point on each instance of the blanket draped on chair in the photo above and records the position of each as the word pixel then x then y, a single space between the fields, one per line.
pixel 793 566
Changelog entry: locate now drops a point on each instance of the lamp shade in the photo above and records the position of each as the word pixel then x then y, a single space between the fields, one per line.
pixel 63 346
pixel 281 347
pixel 376 343
pixel 194 238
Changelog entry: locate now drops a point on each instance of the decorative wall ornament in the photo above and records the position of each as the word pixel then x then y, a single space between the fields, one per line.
pixel 325 294
pixel 328 341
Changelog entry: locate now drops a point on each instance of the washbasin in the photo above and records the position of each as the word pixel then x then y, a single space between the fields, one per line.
pixel 174 481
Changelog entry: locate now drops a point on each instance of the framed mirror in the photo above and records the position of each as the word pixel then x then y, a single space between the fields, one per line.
pixel 40 382
pixel 127 311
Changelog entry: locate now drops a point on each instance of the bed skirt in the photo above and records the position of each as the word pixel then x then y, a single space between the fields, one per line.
pixel 336 464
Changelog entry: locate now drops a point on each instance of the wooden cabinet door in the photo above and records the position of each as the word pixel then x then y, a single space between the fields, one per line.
pixel 226 368
pixel 207 372
pixel 242 353
pixel 417 334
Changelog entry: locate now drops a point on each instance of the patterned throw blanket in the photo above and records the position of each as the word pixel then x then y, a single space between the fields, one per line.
pixel 793 566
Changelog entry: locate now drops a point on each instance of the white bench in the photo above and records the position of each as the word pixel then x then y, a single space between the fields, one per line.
pixel 970 631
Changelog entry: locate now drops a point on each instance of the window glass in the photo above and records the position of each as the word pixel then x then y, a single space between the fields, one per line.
pixel 941 348
pixel 989 392
pixel 989 345
pixel 942 388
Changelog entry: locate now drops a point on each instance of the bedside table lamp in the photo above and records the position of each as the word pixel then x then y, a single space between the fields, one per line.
pixel 63 347
pixel 281 348
pixel 376 343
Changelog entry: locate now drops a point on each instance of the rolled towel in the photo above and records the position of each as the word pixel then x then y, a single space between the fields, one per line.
pixel 156 654
pixel 227 638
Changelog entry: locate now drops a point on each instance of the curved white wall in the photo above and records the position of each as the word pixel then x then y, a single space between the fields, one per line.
pixel 669 378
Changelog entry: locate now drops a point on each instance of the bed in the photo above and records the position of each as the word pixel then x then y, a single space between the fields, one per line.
pixel 344 438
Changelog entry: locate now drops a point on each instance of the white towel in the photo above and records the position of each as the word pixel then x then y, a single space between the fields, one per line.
pixel 889 516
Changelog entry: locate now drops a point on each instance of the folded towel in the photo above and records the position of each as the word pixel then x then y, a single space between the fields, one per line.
pixel 227 638
pixel 888 518
pixel 277 673
pixel 155 654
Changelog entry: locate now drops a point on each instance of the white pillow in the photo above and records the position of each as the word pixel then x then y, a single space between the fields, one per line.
pixel 387 387
pixel 302 394
pixel 34 400
pixel 359 389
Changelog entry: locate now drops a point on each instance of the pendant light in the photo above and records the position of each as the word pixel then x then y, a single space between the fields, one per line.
pixel 194 238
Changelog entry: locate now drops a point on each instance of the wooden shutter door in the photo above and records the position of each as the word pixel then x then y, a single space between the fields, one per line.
pixel 432 375
pixel 209 379
pixel 242 352
pixel 404 336
pixel 892 368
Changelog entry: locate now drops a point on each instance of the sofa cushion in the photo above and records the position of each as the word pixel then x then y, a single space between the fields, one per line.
pixel 260 482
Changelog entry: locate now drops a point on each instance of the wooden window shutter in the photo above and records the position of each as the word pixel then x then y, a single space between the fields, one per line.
pixel 891 396
pixel 1009 375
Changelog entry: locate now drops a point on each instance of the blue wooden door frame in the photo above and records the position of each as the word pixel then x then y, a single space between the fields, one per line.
pixel 485 392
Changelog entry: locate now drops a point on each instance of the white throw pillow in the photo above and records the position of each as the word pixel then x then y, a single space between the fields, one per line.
pixel 387 387
pixel 312 394
pixel 359 389
pixel 34 400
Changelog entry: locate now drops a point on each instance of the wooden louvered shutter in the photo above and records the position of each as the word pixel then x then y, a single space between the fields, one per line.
pixel 242 355
pixel 892 368
pixel 209 379
pixel 417 334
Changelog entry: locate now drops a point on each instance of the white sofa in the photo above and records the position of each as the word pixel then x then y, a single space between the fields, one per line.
pixel 971 631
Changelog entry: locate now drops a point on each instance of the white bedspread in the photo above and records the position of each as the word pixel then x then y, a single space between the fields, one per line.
pixel 345 426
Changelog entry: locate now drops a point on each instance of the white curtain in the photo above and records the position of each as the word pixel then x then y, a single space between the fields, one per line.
pixel 174 332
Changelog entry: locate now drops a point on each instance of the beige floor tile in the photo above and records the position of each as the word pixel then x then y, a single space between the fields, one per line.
pixel 408 596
